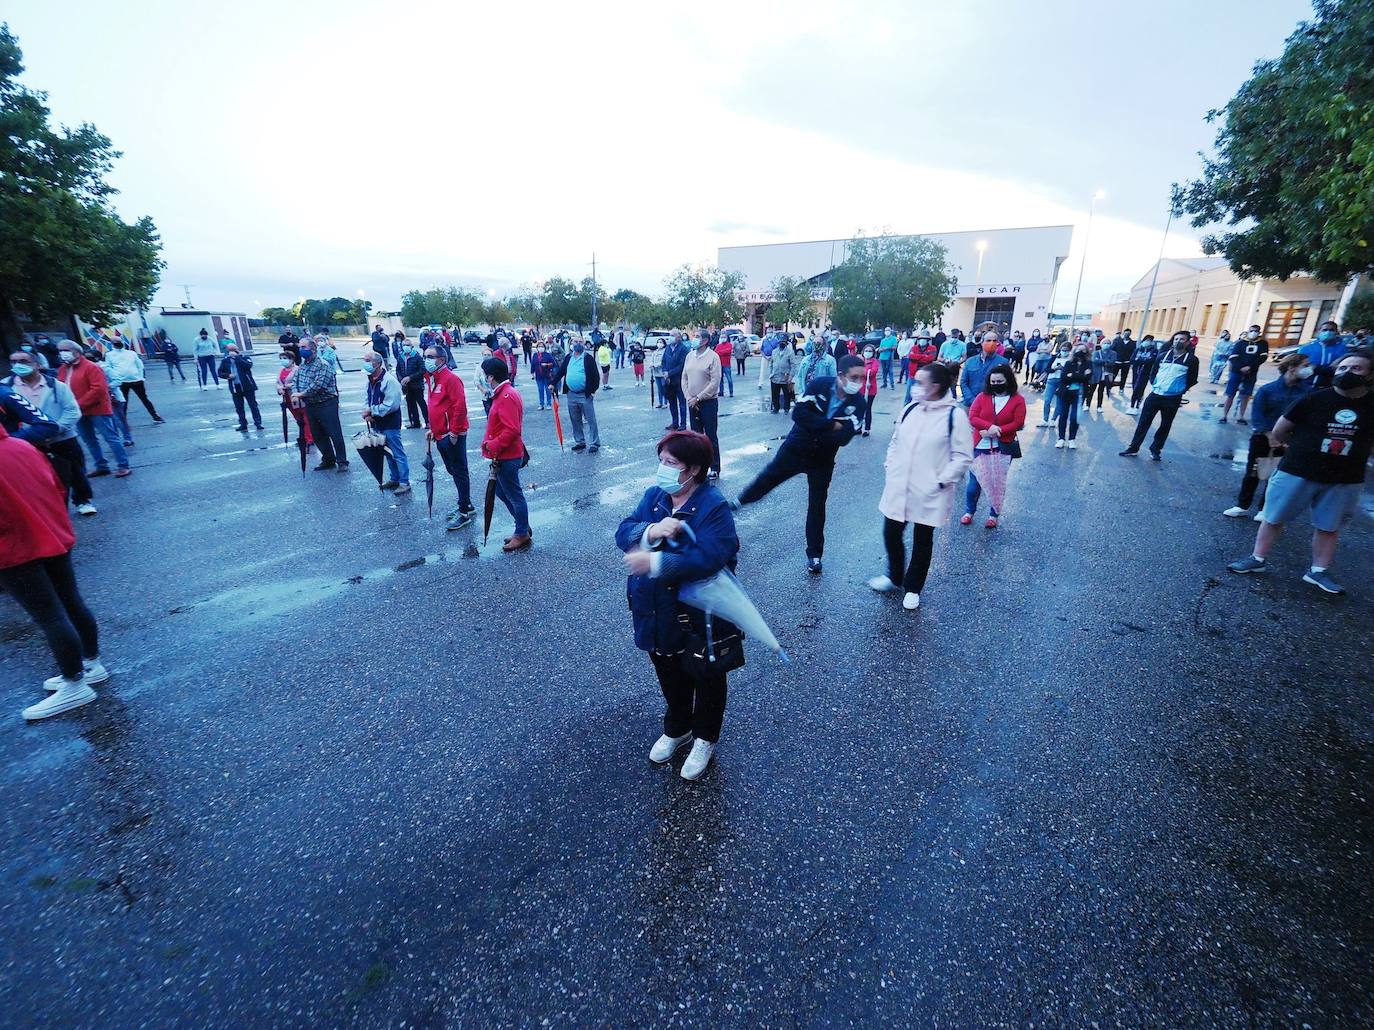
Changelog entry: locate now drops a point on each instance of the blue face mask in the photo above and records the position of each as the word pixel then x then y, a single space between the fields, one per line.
pixel 306 352
pixel 26 349
pixel 577 348
pixel 667 478
pixel 22 370
pixel 431 364
pixel 1327 336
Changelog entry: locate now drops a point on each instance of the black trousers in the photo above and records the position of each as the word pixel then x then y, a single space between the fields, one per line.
pixel 704 417
pixel 782 396
pixel 1166 408
pixel 913 578
pixel 142 391
pixel 1259 448
pixel 174 363
pixel 696 701
pixel 455 456
pixel 416 408
pixel 789 462
pixel 46 589
pixel 250 398
pixel 1139 380
pixel 328 433
pixel 69 462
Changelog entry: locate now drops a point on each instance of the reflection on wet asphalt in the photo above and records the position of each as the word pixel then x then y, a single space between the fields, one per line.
pixel 352 768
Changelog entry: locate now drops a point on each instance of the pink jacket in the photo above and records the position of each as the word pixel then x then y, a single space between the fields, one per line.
pixel 932 445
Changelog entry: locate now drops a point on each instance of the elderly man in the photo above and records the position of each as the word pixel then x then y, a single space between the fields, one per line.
pixel 383 415
pixel 92 391
pixel 237 370
pixel 317 388
pixel 701 388
pixel 54 399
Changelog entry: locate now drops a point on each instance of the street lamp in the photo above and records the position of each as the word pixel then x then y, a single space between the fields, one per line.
pixel 982 248
pixel 1087 236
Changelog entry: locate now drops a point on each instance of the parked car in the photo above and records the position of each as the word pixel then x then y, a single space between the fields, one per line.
pixel 656 338
pixel 755 343
pixel 473 336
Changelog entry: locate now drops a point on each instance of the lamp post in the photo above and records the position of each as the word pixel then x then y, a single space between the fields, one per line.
pixel 982 248
pixel 1087 238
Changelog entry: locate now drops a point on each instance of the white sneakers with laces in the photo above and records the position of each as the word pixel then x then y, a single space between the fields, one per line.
pixel 702 753
pixel 68 695
pixel 665 747
pixel 94 675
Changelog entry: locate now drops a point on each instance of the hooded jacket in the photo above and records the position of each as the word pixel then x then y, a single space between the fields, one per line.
pixel 930 450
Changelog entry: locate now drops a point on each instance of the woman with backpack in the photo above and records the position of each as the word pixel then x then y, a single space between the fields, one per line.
pixel 930 450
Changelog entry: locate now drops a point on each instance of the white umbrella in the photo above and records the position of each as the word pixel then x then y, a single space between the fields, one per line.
pixel 722 595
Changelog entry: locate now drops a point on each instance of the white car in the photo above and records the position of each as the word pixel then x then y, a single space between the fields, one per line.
pixel 656 338
pixel 755 343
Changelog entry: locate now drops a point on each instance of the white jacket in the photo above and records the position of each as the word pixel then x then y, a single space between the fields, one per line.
pixel 931 446
pixel 123 366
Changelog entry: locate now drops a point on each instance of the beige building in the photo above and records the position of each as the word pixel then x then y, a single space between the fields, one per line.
pixel 1204 296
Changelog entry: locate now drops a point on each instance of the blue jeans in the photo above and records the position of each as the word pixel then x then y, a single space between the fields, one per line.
pixel 545 394
pixel 397 465
pixel 677 404
pixel 885 364
pixel 972 492
pixel 108 427
pixel 508 489
pixel 727 377
pixel 910 382
pixel 1051 388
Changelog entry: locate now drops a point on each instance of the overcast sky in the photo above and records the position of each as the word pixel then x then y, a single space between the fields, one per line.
pixel 322 148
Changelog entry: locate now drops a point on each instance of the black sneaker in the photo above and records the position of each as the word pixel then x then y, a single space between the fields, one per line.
pixel 1127 454
pixel 98 472
pixel 596 446
pixel 1155 456
pixel 813 566
pixel 579 447
pixel 324 466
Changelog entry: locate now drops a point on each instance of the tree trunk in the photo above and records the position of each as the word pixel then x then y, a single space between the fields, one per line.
pixel 11 332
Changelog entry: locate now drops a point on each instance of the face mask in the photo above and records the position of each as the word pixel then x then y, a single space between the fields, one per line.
pixel 431 364
pixel 306 353
pixel 1350 381
pixel 1304 373
pixel 868 354
pixel 369 369
pixel 999 387
pixel 667 478
pixel 22 370
pixel 26 349
pixel 1326 336
pixel 68 357
pixel 577 348
pixel 286 362
pixel 852 388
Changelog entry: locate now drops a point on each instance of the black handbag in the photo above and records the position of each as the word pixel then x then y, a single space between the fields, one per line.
pixel 709 654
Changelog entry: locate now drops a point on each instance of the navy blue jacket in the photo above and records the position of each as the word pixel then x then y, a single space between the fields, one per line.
pixel 674 357
pixel 25 422
pixel 654 607
pixel 813 431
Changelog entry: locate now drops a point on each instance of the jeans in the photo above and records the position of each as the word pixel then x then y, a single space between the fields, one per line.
pixel 121 414
pixel 695 696
pixel 545 393
pixel 397 464
pixel 727 377
pixel 70 465
pixel 141 390
pixel 1166 408
pixel 207 369
pixel 508 489
pixel 1051 390
pixel 174 369
pixel 677 404
pixel 108 428
pixel 1259 448
pixel 972 493
pixel 1217 367
pixel 704 417
pixel 1068 413
pixel 913 578
pixel 328 433
pixel 782 397
pixel 581 406
pixel 46 589
pixel 885 367
pixel 619 358
pixel 417 411
pixel 793 461
pixel 251 398
pixel 455 458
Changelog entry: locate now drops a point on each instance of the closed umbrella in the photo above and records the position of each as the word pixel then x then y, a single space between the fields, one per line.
pixel 557 422
pixel 723 595
pixel 285 432
pixel 428 466
pixel 489 505
pixel 372 450
pixel 301 445
pixel 991 467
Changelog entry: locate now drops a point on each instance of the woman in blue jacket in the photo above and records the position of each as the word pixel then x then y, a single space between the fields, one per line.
pixel 682 531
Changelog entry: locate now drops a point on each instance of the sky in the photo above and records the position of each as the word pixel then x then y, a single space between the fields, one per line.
pixel 327 148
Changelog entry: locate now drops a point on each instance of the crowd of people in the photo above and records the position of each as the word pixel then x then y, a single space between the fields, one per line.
pixel 956 429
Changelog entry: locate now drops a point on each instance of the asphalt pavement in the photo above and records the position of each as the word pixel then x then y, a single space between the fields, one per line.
pixel 352 769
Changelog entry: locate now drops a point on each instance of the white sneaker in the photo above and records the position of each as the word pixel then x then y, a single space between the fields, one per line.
pixel 94 674
pixel 911 602
pixel 67 696
pixel 698 760
pixel 665 746
pixel 85 509
pixel 1042 425
pixel 1235 511
pixel 1259 516
pixel 1059 445
pixel 882 584
pixel 1073 445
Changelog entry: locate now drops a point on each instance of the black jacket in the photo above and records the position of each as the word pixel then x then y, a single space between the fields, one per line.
pixel 413 367
pixel 247 384
pixel 813 430
pixel 588 365
pixel 1078 372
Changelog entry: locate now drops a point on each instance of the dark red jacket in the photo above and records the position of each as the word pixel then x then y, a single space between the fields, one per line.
pixel 88 382
pixel 33 506
pixel 983 414
pixel 504 421
pixel 919 357
pixel 448 403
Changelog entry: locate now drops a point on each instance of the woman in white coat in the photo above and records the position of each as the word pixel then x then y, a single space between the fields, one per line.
pixel 931 449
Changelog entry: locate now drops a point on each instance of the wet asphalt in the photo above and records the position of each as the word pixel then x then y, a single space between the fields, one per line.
pixel 351 769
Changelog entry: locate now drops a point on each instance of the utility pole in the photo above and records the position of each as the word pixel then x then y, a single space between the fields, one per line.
pixel 1087 238
pixel 1145 315
pixel 595 323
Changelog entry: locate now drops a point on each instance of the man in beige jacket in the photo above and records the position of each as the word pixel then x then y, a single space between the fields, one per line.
pixel 701 388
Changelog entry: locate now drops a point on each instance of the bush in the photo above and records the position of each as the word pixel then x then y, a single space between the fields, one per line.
pixel 1359 313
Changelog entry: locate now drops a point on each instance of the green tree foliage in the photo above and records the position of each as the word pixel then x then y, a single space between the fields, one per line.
pixel 526 306
pixel 1359 313
pixel 791 301
pixel 444 305
pixel 891 280
pixel 1294 158
pixel 704 295
pixel 280 316
pixel 63 250
pixel 564 303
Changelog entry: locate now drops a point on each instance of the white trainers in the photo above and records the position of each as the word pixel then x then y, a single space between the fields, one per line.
pixel 71 694
pixel 665 746
pixel 1235 511
pixel 882 584
pixel 911 602
pixel 1259 516
pixel 1059 445
pixel 698 760
pixel 95 674
pixel 1073 445
pixel 85 509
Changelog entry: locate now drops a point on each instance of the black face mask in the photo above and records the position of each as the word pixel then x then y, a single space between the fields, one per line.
pixel 1350 381
pixel 999 388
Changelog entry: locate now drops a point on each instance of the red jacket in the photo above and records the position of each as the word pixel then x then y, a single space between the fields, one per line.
pixel 448 403
pixel 88 382
pixel 33 506
pixel 502 439
pixel 870 377
pixel 919 357
pixel 725 350
pixel 983 415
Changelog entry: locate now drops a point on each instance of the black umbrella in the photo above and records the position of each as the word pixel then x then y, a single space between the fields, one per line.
pixel 489 505
pixel 428 466
pixel 301 445
pixel 285 435
pixel 372 454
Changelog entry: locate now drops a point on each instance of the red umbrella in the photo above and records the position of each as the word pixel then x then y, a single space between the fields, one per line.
pixel 990 467
pixel 557 422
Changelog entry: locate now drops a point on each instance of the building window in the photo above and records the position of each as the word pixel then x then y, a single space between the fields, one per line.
pixel 1206 318
pixel 1183 318
pixel 1285 323
pixel 1325 312
pixel 1221 318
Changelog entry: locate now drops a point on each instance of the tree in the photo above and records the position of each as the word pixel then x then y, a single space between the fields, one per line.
pixel 526 306
pixel 63 250
pixel 561 303
pixel 704 295
pixel 891 280
pixel 1295 156
pixel 1359 313
pixel 791 301
pixel 449 305
pixel 280 316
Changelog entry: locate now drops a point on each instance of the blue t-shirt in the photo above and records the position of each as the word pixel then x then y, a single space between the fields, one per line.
pixel 577 373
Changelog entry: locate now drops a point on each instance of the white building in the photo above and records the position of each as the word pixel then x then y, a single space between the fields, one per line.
pixel 1005 275
pixel 182 326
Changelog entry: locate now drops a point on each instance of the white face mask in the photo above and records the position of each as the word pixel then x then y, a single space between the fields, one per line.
pixel 1304 373
pixel 852 388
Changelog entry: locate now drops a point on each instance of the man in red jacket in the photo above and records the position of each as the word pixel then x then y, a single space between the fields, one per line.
pixel 36 540
pixel 448 428
pixel 504 445
pixel 87 381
